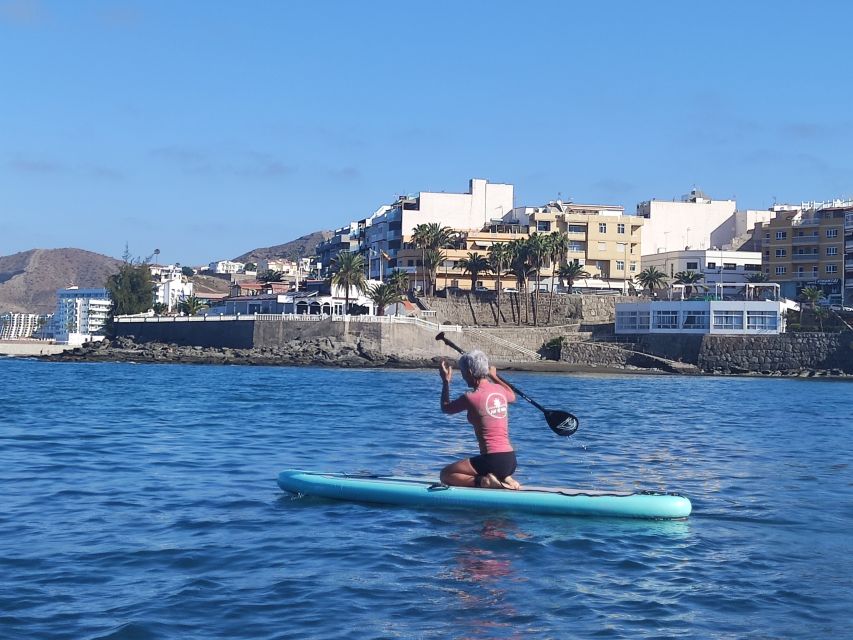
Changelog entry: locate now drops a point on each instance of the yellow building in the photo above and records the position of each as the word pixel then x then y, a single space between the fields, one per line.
pixel 805 248
pixel 600 238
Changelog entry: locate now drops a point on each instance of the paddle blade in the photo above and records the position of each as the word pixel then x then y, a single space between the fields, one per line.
pixel 562 423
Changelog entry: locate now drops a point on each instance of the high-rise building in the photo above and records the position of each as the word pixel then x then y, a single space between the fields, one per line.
pixel 81 315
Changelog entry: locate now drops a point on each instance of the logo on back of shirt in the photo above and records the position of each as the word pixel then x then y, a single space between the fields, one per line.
pixel 496 405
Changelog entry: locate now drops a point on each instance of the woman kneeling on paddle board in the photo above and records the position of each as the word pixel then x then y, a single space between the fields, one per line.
pixel 487 406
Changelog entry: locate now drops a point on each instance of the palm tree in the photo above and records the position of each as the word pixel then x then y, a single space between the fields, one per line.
pixel 821 314
pixel 651 278
pixel 519 266
pixel 420 238
pixel 348 272
pixel 399 280
pixel 432 259
pixel 384 295
pixel 270 276
pixel 571 272
pixel 537 247
pixel 499 256
pixel 558 249
pixel 810 295
pixel 689 279
pixel 191 306
pixel 474 264
pixel 431 236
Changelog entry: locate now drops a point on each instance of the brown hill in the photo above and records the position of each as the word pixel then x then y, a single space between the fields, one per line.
pixel 29 280
pixel 298 248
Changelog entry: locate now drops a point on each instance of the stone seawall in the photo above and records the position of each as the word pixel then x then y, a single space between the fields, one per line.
pixel 481 309
pixel 787 352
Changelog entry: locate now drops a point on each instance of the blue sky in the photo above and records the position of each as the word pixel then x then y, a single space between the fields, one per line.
pixel 207 129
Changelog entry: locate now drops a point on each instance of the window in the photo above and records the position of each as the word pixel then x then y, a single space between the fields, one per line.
pixel 620 228
pixel 695 320
pixel 543 225
pixel 577 228
pixel 780 271
pixel 712 265
pixel 781 235
pixel 620 247
pixel 728 319
pixel 832 251
pixel 762 320
pixel 666 319
pixel 752 267
pixel 643 320
pixel 575 246
pixel 410 263
pixel 832 233
pixel 633 267
pixel 620 265
pixel 602 227
pixel 692 266
pixel 767 236
pixel 602 246
pixel 832 268
pixel 814 271
pixel 780 253
pixel 626 320
pixel 729 266
pixel 801 271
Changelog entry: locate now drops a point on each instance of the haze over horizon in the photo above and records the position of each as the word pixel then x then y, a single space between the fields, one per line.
pixel 206 130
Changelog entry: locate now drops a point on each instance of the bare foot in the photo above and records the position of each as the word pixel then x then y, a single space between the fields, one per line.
pixel 510 483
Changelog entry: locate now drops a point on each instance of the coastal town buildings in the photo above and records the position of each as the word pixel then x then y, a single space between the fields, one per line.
pixel 602 239
pixel 385 236
pixel 717 267
pixel 806 246
pixel 81 314
pixel 322 299
pixel 14 326
pixel 171 286
pixel 226 266
pixel 848 252
pixel 696 221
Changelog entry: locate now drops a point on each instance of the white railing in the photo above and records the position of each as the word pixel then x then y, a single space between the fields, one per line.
pixel 294 317
pixel 207 318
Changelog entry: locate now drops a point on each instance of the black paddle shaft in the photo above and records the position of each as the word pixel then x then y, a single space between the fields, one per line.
pixel 562 423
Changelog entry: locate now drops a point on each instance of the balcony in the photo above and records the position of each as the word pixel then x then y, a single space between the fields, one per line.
pixel 811 257
pixel 806 222
pixel 813 239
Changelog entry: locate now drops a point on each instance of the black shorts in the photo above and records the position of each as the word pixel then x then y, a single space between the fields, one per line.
pixel 501 464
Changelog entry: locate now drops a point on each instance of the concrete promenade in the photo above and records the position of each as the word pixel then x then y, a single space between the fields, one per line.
pixel 31 348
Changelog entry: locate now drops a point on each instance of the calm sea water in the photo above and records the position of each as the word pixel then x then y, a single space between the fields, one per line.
pixel 139 501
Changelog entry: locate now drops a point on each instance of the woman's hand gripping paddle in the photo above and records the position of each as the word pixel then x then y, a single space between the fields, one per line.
pixel 562 423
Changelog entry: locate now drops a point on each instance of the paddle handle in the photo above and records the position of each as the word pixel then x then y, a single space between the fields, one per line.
pixel 518 391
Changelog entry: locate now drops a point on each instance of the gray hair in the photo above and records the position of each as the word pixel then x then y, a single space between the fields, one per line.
pixel 475 363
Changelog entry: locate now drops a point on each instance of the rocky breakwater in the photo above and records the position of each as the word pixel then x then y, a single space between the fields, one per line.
pixel 322 351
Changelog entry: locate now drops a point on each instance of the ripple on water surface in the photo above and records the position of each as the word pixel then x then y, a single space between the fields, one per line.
pixel 140 502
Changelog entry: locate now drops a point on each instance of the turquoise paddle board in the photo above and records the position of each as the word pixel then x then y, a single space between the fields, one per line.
pixel 426 492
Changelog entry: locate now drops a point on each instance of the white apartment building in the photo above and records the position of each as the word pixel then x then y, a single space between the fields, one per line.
pixel 226 266
pixel 14 326
pixel 80 315
pixel 171 286
pixel 732 267
pixel 482 203
pixel 685 224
